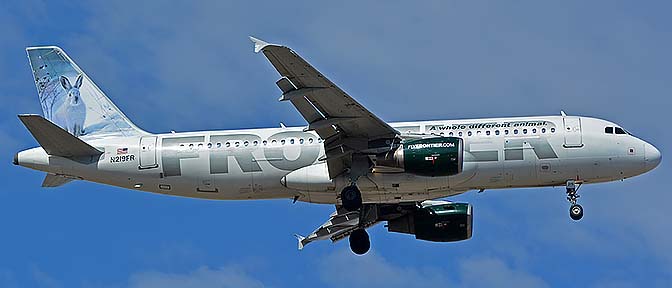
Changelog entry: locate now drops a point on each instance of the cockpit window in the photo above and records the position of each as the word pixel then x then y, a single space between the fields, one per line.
pixel 609 130
pixel 620 130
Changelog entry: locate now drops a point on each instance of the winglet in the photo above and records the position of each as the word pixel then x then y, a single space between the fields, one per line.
pixel 300 238
pixel 259 44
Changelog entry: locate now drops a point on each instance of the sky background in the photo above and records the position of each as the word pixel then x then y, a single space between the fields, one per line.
pixel 188 65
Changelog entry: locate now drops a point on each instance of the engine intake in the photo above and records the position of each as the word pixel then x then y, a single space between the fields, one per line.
pixel 440 156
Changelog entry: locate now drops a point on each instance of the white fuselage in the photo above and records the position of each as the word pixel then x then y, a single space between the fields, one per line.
pixel 286 162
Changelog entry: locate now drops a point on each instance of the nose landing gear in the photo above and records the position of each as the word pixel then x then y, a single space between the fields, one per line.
pixel 575 211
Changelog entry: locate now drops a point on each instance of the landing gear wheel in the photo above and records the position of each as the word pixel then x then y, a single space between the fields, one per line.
pixel 351 198
pixel 576 212
pixel 359 242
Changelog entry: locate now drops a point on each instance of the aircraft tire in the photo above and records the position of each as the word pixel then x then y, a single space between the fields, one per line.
pixel 576 212
pixel 359 242
pixel 351 198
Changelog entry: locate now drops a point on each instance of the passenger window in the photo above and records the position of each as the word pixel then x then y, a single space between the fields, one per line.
pixel 515 131
pixel 469 133
pixel 291 141
pixel 478 132
pixel 534 131
pixel 265 142
pixel 274 142
pixel 237 144
pixel 524 131
pixel 441 133
pixel 543 130
pixel 282 142
pixel 209 145
pixel 255 143
pixel 450 134
pixel 246 143
pixel 228 144
pixel 609 130
pixel 219 144
pixel 460 134
pixel 191 146
pixel 620 130
pixel 497 132
pixel 487 133
pixel 553 130
pixel 506 132
pixel 319 140
pixel 310 140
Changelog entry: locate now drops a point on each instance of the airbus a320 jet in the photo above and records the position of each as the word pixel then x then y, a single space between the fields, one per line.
pixel 371 170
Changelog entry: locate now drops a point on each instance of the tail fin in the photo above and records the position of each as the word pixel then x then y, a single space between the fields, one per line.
pixel 71 100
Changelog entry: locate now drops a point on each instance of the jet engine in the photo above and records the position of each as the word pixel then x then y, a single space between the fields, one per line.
pixel 445 222
pixel 439 156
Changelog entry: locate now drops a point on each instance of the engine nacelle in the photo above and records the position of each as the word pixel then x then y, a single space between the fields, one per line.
pixel 440 156
pixel 446 222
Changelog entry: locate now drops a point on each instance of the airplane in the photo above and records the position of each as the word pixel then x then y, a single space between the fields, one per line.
pixel 371 170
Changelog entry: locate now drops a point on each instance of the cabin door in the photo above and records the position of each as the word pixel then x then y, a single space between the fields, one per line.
pixel 148 152
pixel 573 137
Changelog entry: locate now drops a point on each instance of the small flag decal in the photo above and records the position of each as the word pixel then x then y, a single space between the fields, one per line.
pixel 122 151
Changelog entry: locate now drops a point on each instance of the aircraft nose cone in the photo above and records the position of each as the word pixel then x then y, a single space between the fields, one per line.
pixel 16 159
pixel 652 156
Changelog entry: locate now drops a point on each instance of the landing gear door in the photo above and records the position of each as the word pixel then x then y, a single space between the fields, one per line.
pixel 573 137
pixel 148 152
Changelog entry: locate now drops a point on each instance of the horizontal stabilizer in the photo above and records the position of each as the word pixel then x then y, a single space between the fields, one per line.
pixel 52 180
pixel 55 140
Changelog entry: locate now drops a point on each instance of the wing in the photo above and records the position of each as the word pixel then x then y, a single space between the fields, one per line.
pixel 345 125
pixel 340 224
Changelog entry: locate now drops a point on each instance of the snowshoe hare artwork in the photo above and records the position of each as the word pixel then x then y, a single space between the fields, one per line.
pixel 72 112
pixel 71 100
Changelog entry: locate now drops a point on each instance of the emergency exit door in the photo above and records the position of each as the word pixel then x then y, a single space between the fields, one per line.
pixel 148 152
pixel 573 135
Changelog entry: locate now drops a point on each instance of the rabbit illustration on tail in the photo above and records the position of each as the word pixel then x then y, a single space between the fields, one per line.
pixel 72 112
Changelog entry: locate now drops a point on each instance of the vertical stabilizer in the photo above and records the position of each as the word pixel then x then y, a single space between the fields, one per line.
pixel 71 100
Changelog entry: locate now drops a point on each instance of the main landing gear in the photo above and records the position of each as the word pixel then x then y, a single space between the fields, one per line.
pixel 351 198
pixel 359 241
pixel 575 211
